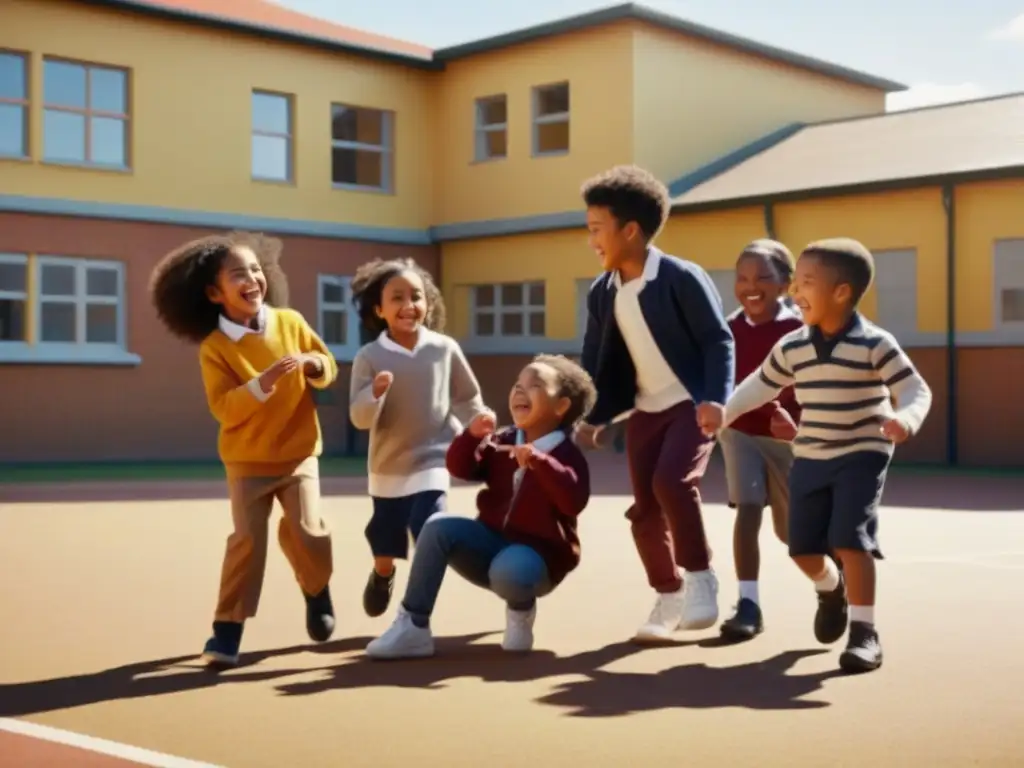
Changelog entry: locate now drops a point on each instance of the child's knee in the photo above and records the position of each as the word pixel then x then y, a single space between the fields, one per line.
pixel 514 581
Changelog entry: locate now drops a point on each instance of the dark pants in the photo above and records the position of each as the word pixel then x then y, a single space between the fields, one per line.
pixel 667 455
pixel 395 519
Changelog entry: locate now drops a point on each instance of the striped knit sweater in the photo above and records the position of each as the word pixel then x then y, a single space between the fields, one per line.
pixel 843 385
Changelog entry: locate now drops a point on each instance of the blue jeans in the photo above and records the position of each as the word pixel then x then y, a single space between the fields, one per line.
pixel 514 572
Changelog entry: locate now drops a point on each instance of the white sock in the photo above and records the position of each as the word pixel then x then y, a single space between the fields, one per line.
pixel 748 591
pixel 863 613
pixel 828 579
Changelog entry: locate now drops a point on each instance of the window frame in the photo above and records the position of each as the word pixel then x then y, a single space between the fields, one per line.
pixel 884 284
pixel 23 296
pixel 88 113
pixel 1007 275
pixel 537 119
pixel 482 129
pixel 386 150
pixel 498 309
pixel 25 104
pixel 289 137
pixel 344 352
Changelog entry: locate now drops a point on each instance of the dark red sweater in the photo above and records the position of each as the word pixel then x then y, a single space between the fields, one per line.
pixel 542 515
pixel 753 345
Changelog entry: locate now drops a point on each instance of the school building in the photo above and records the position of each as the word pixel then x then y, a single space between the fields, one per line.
pixel 130 126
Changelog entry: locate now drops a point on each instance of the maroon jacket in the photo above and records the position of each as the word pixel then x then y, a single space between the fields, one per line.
pixel 542 514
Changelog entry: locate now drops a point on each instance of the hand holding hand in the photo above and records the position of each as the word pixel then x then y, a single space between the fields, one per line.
pixel 284 366
pixel 482 425
pixel 710 417
pixel 782 425
pixel 586 436
pixel 382 383
pixel 895 430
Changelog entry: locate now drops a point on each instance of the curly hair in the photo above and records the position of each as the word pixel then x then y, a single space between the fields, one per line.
pixel 179 281
pixel 849 259
pixel 575 384
pixel 780 257
pixel 368 289
pixel 631 194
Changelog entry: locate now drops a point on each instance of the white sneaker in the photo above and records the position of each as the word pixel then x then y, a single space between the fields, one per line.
pixel 700 600
pixel 402 640
pixel 519 630
pixel 665 618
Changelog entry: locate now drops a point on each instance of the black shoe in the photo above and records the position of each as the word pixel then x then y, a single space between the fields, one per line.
pixel 222 649
pixel 863 650
pixel 319 615
pixel 745 623
pixel 377 594
pixel 833 613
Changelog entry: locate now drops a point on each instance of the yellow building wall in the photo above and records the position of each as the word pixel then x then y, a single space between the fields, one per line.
pixel 887 221
pixel 597 63
pixel 985 212
pixel 190 92
pixel 712 239
pixel 695 101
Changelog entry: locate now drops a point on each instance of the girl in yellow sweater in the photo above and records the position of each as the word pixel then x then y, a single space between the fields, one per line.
pixel 258 362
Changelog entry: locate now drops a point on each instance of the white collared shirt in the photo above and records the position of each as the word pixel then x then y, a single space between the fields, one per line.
pixel 658 388
pixel 545 444
pixel 237 332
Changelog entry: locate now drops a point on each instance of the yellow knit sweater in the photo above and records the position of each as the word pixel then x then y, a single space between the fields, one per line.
pixel 264 434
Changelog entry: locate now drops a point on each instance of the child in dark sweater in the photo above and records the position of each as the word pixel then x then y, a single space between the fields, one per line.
pixel 757 448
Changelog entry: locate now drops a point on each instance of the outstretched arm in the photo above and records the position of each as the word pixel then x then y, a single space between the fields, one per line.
pixel 466 400
pixel 468 456
pixel 324 370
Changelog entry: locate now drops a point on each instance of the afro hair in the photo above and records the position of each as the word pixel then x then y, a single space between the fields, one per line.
pixel 368 288
pixel 631 194
pixel 575 384
pixel 179 283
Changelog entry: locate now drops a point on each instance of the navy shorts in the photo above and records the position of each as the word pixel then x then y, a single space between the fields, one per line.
pixel 395 519
pixel 833 503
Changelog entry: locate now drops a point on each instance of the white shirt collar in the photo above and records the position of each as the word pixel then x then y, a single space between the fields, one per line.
pixel 236 332
pixel 650 272
pixel 389 344
pixel 544 444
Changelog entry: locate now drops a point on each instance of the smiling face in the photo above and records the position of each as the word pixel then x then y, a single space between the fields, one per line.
pixel 612 243
pixel 240 286
pixel 758 287
pixel 403 304
pixel 823 300
pixel 535 403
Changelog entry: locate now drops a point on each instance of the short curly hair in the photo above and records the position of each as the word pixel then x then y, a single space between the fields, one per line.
pixel 368 289
pixel 849 259
pixel 575 384
pixel 179 281
pixel 631 194
pixel 777 253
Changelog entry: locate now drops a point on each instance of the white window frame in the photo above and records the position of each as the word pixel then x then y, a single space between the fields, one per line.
pixel 22 103
pixel 498 309
pixel 88 113
pixel 555 117
pixel 347 351
pixel 483 129
pixel 7 346
pixel 386 150
pixel 81 300
pixel 289 136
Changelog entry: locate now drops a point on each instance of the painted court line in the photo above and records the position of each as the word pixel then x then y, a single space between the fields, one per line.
pixel 100 746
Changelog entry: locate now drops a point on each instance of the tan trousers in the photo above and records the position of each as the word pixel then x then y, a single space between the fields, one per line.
pixel 302 534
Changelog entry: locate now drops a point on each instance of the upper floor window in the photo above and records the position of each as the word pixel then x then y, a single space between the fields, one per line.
pixel 271 136
pixel 85 114
pixel 551 119
pixel 338 323
pixel 13 104
pixel 492 127
pixel 508 309
pixel 362 148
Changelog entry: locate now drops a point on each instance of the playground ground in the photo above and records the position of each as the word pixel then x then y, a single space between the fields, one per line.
pixel 109 586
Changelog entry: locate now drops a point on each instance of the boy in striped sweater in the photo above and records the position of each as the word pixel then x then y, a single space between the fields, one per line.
pixel 846 371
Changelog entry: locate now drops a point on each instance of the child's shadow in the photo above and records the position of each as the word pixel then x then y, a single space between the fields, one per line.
pixel 757 685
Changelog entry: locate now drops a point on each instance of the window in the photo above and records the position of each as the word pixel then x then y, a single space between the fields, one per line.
pixel 13 105
pixel 492 128
pixel 725 282
pixel 896 288
pixel 338 322
pixel 85 114
pixel 508 309
pixel 361 148
pixel 13 299
pixel 1008 271
pixel 551 119
pixel 271 136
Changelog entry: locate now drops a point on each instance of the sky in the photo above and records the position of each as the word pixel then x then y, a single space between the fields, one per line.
pixel 973 50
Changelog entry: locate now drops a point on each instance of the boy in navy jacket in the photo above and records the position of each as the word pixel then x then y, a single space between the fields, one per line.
pixel 657 343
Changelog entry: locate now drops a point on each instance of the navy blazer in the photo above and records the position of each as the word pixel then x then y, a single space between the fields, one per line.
pixel 683 310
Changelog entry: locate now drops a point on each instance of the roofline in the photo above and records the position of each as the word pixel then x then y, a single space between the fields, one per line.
pixel 637 12
pixel 268 33
pixel 859 188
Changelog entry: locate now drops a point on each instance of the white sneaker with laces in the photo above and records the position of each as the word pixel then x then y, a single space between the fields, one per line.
pixel 700 600
pixel 519 630
pixel 665 618
pixel 402 640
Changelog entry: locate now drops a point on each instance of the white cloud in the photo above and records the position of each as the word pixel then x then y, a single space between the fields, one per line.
pixel 1012 30
pixel 927 94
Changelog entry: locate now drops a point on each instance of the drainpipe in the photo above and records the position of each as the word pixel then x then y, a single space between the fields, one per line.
pixel 949 204
pixel 769 219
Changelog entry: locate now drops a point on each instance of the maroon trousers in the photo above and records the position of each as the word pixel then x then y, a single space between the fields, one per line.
pixel 667 455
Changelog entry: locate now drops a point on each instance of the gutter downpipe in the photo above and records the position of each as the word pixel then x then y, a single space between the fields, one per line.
pixel 949 204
